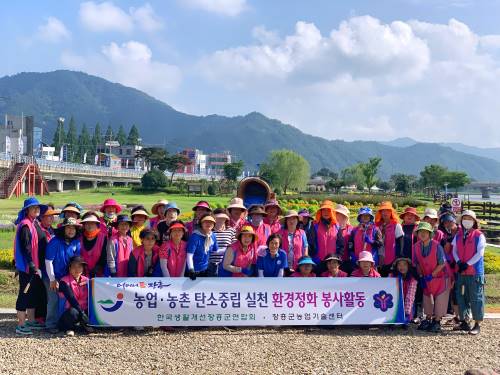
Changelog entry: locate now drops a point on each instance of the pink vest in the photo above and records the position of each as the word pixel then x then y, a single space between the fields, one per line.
pixel 359 240
pixel 92 256
pixel 298 274
pixel 176 258
pixel 438 284
pixel 298 250
pixel 438 235
pixel 34 241
pixel 346 233
pixel 241 259
pixel 79 289
pixel 468 250
pixel 138 254
pixel 339 274
pixel 123 251
pixel 389 242
pixel 190 227
pixel 327 239
pixel 358 273
pixel 263 231
pixel 104 228
pixel 236 224
pixel 275 226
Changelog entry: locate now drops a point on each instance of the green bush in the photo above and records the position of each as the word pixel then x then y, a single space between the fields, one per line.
pixel 491 262
pixel 154 180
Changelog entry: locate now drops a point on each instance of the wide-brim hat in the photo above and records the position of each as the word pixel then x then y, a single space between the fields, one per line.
pixel 386 205
pixel 423 225
pixel 70 208
pixel 431 213
pixel 90 217
pixel 122 219
pixel 257 209
pixel 366 256
pixel 236 203
pixel 304 213
pixel 470 213
pixel 306 260
pixel 139 212
pixel 172 206
pixel 110 202
pixel 272 203
pixel 289 214
pixel 365 211
pixel 330 257
pixel 410 210
pixel 247 229
pixel 343 210
pixel 31 202
pixel 207 218
pixel 407 260
pixel 328 205
pixel 202 204
pixel 221 215
pixel 161 202
pixel 47 211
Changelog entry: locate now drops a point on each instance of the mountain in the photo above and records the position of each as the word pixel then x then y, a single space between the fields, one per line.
pixel 91 99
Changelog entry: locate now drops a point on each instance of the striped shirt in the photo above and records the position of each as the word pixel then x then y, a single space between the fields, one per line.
pixel 224 239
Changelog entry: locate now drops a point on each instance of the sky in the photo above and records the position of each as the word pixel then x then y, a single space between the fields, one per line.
pixel 370 70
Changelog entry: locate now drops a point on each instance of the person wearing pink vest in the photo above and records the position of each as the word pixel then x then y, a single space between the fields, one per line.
pixel 468 252
pixel 110 209
pixel 237 213
pixel 326 230
pixel 201 208
pixel 256 216
pixel 119 247
pixel 342 215
pixel 144 261
pixel 93 245
pixel 386 220
pixel 273 211
pixel 173 251
pixel 28 267
pixel 365 237
pixel 433 271
pixel 73 290
pixel 294 240
pixel 159 209
pixel 366 266
pixel 402 270
pixel 239 257
pixel 431 217
pixel 332 263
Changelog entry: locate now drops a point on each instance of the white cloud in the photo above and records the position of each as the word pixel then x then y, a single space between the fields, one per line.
pixel 107 16
pixel 369 79
pixel 229 8
pixel 53 31
pixel 130 64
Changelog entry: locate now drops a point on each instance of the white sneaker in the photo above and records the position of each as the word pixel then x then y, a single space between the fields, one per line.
pixel 70 333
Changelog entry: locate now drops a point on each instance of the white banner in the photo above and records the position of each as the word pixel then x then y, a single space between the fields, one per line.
pixel 122 302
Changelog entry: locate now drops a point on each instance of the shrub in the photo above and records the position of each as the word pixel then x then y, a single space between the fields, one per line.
pixel 154 180
pixel 6 258
pixel 491 262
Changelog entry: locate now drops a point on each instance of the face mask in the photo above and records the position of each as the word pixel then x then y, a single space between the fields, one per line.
pixel 109 216
pixel 468 224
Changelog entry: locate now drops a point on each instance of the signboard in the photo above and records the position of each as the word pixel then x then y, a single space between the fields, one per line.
pixel 456 205
pixel 122 302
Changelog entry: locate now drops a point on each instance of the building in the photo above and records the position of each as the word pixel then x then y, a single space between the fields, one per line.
pixel 216 162
pixel 17 135
pixel 47 153
pixel 108 160
pixel 126 154
pixel 211 164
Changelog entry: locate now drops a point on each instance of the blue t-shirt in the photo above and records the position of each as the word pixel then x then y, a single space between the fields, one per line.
pixel 59 252
pixel 271 266
pixel 196 246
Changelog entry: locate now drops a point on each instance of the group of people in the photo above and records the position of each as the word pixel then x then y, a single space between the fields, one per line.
pixel 438 257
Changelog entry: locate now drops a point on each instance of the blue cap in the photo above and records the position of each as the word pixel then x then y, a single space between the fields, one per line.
pixel 448 217
pixel 28 202
pixel 366 211
pixel 173 206
pixel 306 260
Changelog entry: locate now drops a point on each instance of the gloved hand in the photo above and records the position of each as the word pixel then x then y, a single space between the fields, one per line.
pixel 462 266
pixel 192 275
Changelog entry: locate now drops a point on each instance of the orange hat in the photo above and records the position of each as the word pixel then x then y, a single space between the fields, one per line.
pixel 386 205
pixel 410 210
pixel 328 204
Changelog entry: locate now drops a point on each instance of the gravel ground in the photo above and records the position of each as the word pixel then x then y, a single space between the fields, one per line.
pixel 250 351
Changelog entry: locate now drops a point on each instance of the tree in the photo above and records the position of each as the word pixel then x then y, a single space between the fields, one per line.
pixel 386 186
pixel 353 176
pixel 154 157
pixel 289 170
pixel 109 134
pixel 59 137
pixel 97 137
pixel 327 173
pixel 456 180
pixel 433 176
pixel 72 141
pixel 121 137
pixel 175 162
pixel 403 183
pixel 335 185
pixel 85 149
pixel 133 136
pixel 233 170
pixel 369 171
pixel 154 180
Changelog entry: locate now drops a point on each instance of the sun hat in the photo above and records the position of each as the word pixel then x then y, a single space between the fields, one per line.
pixel 172 206
pixel 410 210
pixel 207 217
pixel 70 221
pixel 386 205
pixel 46 210
pixel 122 219
pixel 329 205
pixel 397 260
pixel 289 214
pixel 431 213
pixel 366 256
pixel 365 211
pixel 161 202
pixel 31 202
pixel 256 209
pixel 272 203
pixel 470 213
pixel 139 210
pixel 236 203
pixel 343 210
pixel 304 213
pixel 90 217
pixel 71 208
pixel 220 213
pixel 202 204
pixel 423 225
pixel 247 229
pixel 448 217
pixel 77 260
pixel 176 225
pixel 329 257
pixel 110 202
pixel 306 260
